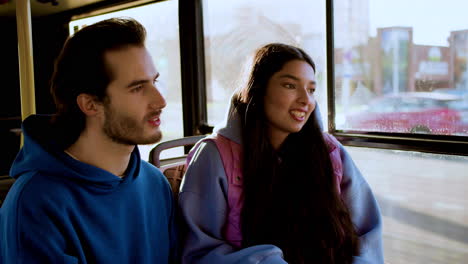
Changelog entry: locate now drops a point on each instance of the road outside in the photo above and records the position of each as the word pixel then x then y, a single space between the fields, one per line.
pixel 423 198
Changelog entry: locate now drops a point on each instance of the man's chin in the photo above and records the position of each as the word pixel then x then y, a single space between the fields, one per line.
pixel 151 140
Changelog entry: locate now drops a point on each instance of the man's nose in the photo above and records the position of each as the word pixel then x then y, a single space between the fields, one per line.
pixel 157 99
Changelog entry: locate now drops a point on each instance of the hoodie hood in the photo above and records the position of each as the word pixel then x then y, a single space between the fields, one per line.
pixel 42 153
pixel 230 127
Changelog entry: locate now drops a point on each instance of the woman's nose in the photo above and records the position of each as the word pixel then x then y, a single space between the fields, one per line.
pixel 304 96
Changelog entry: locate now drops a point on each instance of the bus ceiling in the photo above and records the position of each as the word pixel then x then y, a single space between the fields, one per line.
pixel 43 7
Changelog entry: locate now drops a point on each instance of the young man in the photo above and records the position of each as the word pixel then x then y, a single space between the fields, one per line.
pixel 82 194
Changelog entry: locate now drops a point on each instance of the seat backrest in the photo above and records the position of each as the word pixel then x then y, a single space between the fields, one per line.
pixel 174 171
pixel 5 184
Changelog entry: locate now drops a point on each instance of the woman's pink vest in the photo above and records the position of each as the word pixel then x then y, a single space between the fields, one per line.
pixel 231 154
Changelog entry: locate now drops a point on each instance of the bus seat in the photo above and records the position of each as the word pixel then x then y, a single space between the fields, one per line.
pixel 5 184
pixel 173 169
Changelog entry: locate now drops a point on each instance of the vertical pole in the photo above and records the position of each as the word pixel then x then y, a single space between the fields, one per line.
pixel 25 55
pixel 330 65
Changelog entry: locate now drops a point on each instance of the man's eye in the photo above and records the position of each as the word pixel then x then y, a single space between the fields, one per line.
pixel 289 85
pixel 311 90
pixel 136 89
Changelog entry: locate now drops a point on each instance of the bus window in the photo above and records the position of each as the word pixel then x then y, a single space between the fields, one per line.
pixel 234 29
pixel 396 73
pixel 381 57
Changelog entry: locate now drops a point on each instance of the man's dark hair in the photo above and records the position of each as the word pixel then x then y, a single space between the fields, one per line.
pixel 81 68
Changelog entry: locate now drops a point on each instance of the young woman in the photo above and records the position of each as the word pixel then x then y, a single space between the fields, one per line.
pixel 285 192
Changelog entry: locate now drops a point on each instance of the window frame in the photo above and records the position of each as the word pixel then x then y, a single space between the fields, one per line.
pixel 192 56
pixel 193 79
pixel 441 144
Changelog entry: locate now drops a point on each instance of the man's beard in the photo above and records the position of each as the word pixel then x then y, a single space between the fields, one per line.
pixel 126 130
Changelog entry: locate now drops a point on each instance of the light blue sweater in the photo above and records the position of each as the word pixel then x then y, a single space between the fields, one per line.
pixel 203 203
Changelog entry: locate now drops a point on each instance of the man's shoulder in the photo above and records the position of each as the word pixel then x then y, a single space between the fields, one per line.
pixel 154 180
pixel 35 189
pixel 30 195
pixel 151 170
pixel 152 173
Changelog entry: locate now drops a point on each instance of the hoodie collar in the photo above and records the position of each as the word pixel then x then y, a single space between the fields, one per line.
pixel 42 153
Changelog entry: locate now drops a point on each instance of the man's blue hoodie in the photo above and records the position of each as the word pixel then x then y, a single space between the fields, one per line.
pixel 61 210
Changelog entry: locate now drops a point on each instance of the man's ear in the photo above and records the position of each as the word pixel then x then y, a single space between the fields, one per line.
pixel 88 104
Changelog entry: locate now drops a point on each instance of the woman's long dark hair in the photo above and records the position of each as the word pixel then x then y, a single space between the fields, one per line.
pixel 291 199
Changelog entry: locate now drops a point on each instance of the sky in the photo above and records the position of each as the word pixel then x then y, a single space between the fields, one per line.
pixel 156 14
pixel 432 20
pixel 309 13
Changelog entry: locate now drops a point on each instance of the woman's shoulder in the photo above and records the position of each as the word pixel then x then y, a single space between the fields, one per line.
pixel 205 173
pixel 215 144
pixel 204 147
pixel 331 142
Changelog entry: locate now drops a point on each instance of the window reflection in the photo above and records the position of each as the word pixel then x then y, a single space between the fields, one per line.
pixel 384 53
pixel 414 112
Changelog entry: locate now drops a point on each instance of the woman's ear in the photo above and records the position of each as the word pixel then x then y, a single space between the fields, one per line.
pixel 88 104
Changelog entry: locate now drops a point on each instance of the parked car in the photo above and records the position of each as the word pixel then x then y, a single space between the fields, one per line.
pixel 411 112
pixel 460 105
